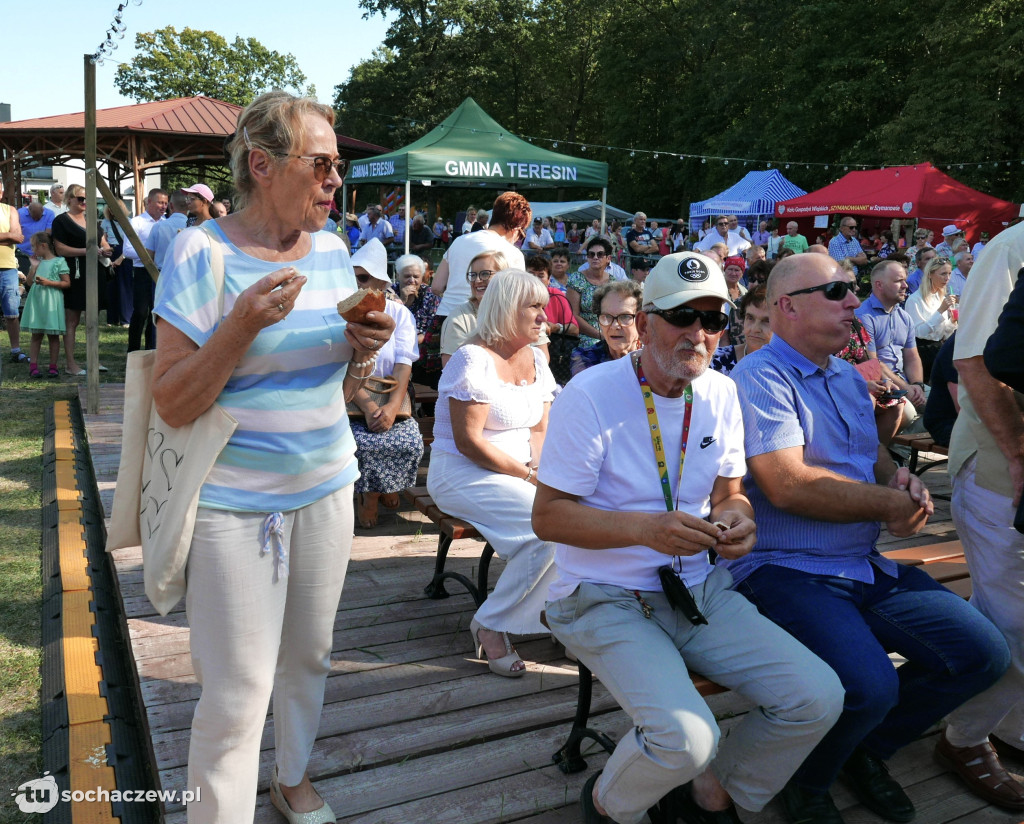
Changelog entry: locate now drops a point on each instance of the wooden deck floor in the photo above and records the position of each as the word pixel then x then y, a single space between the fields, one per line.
pixel 413 729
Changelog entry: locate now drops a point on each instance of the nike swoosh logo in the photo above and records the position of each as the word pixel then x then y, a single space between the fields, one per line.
pixel 704 444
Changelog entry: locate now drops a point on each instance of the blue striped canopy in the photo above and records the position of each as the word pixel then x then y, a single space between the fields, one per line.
pixel 756 194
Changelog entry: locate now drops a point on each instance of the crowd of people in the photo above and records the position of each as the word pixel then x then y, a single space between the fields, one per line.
pixel 681 460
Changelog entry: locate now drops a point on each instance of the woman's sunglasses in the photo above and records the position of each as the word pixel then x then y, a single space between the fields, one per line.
pixel 712 321
pixel 833 290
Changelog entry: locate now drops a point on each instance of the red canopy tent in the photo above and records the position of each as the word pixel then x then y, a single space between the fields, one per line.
pixel 903 192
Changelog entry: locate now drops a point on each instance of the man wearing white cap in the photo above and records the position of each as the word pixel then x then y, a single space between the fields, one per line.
pixel 953 241
pixel 647 605
pixel 200 196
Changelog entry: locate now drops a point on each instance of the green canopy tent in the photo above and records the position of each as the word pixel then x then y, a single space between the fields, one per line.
pixel 470 148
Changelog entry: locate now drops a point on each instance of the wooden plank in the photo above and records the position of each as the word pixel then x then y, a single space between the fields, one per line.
pixel 927 553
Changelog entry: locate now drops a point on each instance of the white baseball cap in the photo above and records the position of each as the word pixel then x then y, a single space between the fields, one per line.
pixel 683 277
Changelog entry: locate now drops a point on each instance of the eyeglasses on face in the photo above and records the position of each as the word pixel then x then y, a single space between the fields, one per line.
pixel 483 275
pixel 684 316
pixel 625 319
pixel 79 198
pixel 722 223
pixel 833 290
pixel 596 253
pixel 849 226
pixel 322 164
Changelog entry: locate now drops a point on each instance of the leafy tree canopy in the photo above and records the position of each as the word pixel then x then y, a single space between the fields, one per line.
pixel 882 82
pixel 184 64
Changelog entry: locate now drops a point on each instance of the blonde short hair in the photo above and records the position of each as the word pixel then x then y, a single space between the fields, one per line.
pixel 500 261
pixel 507 293
pixel 272 122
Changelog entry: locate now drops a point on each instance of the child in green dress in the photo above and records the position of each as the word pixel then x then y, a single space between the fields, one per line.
pixel 44 306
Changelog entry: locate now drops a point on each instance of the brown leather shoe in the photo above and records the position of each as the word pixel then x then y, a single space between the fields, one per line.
pixel 979 768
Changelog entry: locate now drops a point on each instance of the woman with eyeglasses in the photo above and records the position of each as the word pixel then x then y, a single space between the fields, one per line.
pixel 752 310
pixel 583 284
pixel 273 530
pixel 617 304
pixel 461 324
pixel 68 232
pixel 491 416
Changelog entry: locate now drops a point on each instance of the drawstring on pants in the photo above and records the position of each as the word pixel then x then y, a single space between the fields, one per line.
pixel 271 529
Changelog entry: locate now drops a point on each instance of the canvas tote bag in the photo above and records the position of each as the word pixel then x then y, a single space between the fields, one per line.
pixel 161 471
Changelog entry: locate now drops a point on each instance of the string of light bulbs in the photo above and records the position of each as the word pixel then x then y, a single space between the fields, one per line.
pixel 725 160
pixel 114 34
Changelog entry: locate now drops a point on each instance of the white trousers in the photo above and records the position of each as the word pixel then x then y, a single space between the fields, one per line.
pixel 500 507
pixel 262 622
pixel 995 556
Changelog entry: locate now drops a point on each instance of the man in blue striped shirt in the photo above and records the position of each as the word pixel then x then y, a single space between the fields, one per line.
pixel 820 484
pixel 845 244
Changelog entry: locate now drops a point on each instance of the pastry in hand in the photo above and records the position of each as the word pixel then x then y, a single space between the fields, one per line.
pixel 359 304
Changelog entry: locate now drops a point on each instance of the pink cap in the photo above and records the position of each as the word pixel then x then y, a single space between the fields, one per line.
pixel 202 190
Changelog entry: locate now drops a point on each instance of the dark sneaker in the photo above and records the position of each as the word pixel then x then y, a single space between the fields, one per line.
pixel 590 813
pixel 803 807
pixel 870 781
pixel 679 805
pixel 19 357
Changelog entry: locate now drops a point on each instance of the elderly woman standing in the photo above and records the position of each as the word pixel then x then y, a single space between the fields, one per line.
pixel 274 525
pixel 68 232
pixel 388 449
pixel 417 297
pixel 582 285
pixel 492 412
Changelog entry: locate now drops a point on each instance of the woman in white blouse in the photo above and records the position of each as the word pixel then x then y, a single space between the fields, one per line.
pixel 491 415
pixel 932 310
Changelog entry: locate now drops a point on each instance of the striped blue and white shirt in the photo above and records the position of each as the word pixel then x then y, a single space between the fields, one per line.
pixel 789 401
pixel 293 445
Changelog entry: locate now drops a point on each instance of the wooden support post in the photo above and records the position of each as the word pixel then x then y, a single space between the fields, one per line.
pixel 92 305
pixel 127 228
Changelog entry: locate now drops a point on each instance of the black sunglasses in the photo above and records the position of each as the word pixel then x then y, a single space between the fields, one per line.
pixel 79 198
pixel 834 290
pixel 712 321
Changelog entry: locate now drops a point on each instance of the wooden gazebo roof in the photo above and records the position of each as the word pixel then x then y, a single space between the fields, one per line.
pixel 134 138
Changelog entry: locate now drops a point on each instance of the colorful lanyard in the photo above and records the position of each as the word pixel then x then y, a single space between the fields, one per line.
pixel 656 441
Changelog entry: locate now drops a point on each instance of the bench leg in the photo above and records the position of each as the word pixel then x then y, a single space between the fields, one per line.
pixel 435 589
pixel 481 575
pixel 568 758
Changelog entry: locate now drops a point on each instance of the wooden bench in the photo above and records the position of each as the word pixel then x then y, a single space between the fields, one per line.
pixel 945 562
pixel 451 529
pixel 918 443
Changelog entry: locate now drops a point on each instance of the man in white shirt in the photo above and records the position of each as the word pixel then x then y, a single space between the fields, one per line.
pixel 636 598
pixel 143 285
pixel 56 202
pixel 962 268
pixel 976 249
pixel 376 227
pixel 734 226
pixel 538 238
pixel 720 234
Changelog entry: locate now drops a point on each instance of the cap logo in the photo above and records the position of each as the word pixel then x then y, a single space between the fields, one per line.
pixel 693 270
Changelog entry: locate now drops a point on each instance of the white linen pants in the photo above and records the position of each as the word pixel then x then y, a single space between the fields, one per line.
pixel 258 628
pixel 500 507
pixel 644 663
pixel 995 557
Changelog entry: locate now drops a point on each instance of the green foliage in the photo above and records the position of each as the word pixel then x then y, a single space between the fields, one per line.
pixel 798 81
pixel 170 64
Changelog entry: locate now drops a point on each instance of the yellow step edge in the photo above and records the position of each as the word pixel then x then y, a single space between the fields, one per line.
pixel 82 675
pixel 63 438
pixel 88 771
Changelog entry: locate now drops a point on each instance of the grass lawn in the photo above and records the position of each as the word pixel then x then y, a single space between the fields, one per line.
pixel 23 402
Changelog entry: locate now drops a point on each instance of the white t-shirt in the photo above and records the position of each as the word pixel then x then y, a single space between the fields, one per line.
pixel 598 446
pixel 542 238
pixel 461 253
pixel 734 241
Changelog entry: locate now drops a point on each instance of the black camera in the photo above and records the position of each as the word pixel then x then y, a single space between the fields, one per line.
pixel 679 596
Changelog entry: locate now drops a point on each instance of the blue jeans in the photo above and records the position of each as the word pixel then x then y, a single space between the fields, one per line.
pixel 952 653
